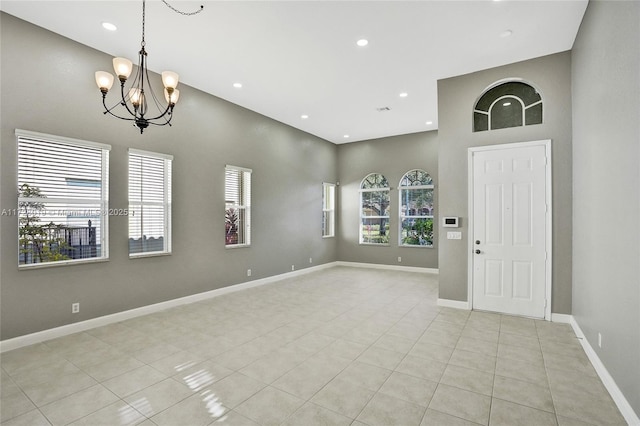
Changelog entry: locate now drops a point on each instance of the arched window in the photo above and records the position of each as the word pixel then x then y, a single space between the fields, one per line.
pixel 374 210
pixel 509 104
pixel 416 209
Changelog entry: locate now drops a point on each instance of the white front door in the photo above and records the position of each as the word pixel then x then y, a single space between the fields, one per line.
pixel 510 223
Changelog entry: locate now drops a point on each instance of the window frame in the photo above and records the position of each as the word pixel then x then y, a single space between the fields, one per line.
pixel 526 106
pixel 402 217
pixel 328 209
pixel 244 192
pixel 166 203
pixel 102 205
pixel 362 191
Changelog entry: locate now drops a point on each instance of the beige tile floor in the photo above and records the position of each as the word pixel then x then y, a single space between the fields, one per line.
pixel 343 346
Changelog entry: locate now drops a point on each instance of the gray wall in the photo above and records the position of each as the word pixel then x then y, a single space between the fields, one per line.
pixel 48 86
pixel 551 75
pixel 393 157
pixel 606 178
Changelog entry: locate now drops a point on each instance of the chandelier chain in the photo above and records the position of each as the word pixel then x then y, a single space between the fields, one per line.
pixel 181 12
pixel 143 21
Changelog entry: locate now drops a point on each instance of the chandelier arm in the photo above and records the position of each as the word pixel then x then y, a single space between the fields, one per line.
pixel 166 112
pixel 108 110
pixel 124 101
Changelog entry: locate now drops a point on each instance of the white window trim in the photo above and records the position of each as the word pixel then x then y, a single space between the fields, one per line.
pixel 331 210
pixel 241 207
pixel 167 204
pixel 104 203
pixel 388 217
pixel 402 217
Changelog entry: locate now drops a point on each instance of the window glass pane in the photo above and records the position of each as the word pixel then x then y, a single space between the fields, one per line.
pixel 237 206
pixel 533 115
pixel 507 112
pixel 375 231
pixel 62 200
pixel 416 209
pixel 480 122
pixel 149 203
pixel 417 202
pixel 328 210
pixel 417 231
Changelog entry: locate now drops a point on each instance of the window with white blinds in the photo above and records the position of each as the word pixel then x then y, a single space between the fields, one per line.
pixel 237 196
pixel 63 208
pixel 149 203
pixel 328 209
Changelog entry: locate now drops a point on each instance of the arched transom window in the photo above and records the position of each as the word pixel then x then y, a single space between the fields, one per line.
pixel 416 209
pixel 374 210
pixel 510 104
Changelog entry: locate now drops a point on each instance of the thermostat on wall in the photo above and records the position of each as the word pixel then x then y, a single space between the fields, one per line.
pixel 451 222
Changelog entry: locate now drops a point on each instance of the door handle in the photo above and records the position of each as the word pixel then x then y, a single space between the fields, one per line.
pixel 478 252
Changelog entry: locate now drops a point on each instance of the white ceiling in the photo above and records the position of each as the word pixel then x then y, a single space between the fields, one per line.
pixel 301 57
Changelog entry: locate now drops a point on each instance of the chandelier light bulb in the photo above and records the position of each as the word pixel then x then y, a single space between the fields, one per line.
pixel 122 67
pixel 135 96
pixel 170 79
pixel 172 98
pixel 104 80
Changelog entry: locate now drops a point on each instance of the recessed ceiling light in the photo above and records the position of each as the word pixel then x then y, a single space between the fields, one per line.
pixel 304 116
pixel 506 104
pixel 429 123
pixel 404 94
pixel 237 85
pixel 345 136
pixel 506 33
pixel 362 42
pixel 109 26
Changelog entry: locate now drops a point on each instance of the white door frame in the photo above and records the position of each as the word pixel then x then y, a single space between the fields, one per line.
pixel 548 217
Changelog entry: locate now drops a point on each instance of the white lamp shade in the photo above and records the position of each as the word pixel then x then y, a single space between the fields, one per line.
pixel 122 67
pixel 104 80
pixel 173 98
pixel 170 79
pixel 135 96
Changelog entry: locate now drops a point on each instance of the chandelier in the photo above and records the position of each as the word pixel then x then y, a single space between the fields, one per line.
pixel 137 99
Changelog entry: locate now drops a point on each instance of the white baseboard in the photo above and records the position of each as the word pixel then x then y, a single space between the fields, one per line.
pixel 457 304
pixel 388 267
pixel 65 330
pixel 623 405
pixel 561 318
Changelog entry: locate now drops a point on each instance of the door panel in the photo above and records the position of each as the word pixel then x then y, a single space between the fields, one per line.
pixel 509 225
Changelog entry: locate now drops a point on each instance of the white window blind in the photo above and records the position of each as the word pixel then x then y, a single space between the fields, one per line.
pixel 149 203
pixel 63 207
pixel 237 195
pixel 328 209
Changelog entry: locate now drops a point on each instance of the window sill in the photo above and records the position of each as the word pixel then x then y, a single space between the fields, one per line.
pixel 376 244
pixel 150 254
pixel 60 263
pixel 416 246
pixel 236 246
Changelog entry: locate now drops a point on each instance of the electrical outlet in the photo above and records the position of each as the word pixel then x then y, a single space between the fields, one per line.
pixel 248 272
pixel 310 260
pixel 399 259
pixel 599 340
pixel 293 267
pixel 75 308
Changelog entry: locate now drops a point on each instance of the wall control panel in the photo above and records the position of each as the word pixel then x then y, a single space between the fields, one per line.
pixel 451 222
